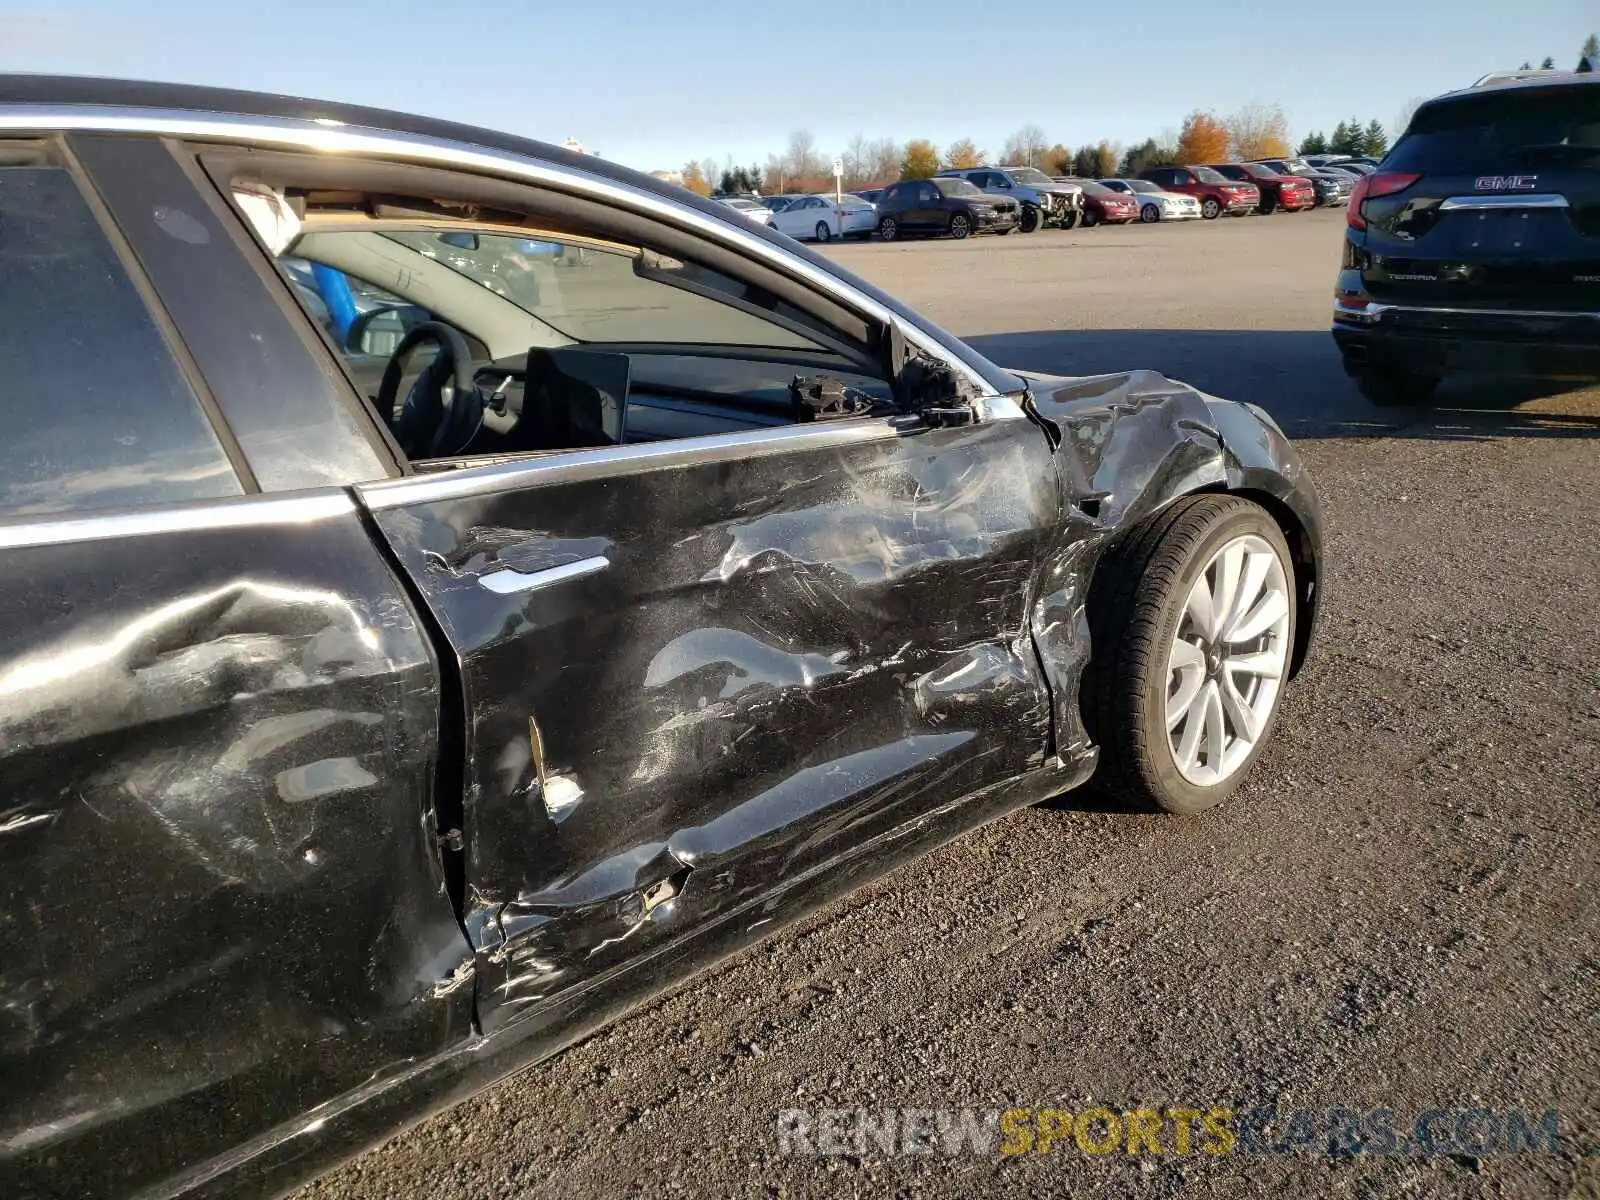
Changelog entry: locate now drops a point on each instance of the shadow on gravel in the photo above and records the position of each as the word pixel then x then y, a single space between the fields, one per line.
pixel 1296 376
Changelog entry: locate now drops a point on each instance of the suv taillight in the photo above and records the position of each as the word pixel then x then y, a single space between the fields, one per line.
pixel 1369 187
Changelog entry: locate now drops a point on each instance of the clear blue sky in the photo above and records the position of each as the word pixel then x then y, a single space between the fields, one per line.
pixel 653 83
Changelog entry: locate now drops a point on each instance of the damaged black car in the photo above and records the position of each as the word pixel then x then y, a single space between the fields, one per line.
pixel 458 588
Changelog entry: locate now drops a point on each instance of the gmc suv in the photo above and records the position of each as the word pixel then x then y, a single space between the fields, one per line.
pixel 1476 244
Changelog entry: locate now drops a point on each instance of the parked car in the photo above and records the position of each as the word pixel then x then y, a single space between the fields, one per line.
pixel 775 203
pixel 1044 201
pixel 943 205
pixel 750 209
pixel 820 218
pixel 870 195
pixel 1331 188
pixel 1475 246
pixel 1103 205
pixel 1287 192
pixel 1216 193
pixel 373 729
pixel 1155 204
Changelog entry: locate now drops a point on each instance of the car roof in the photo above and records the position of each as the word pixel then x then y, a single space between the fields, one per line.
pixel 1555 79
pixel 169 99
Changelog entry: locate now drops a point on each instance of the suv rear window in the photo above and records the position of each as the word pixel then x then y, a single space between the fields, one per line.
pixel 98 413
pixel 1503 128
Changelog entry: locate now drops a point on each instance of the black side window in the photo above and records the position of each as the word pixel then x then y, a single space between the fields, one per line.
pixel 98 412
pixel 931 194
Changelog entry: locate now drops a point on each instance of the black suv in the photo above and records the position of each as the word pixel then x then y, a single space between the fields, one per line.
pixel 1476 244
pixel 950 206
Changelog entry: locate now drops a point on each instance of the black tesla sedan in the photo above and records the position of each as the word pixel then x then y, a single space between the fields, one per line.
pixel 456 587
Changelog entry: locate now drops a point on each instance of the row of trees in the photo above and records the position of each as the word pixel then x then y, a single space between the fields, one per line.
pixel 1350 137
pixel 1255 131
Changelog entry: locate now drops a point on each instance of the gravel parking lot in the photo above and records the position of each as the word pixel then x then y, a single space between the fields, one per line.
pixel 1398 911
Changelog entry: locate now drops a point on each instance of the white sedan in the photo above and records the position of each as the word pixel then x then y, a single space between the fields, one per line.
pixel 818 218
pixel 1154 203
pixel 749 209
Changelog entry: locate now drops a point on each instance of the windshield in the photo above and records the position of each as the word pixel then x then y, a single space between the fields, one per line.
pixel 957 187
pixel 1482 133
pixel 1257 171
pixel 1138 185
pixel 1030 177
pixel 1207 175
pixel 1091 188
pixel 589 294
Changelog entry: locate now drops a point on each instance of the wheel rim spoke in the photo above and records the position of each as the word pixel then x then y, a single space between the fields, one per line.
pixel 1230 566
pixel 1188 751
pixel 1189 663
pixel 1201 609
pixel 1239 711
pixel 1256 569
pixel 1216 728
pixel 1271 609
pixel 1266 663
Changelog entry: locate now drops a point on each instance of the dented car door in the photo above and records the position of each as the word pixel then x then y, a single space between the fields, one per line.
pixel 694 672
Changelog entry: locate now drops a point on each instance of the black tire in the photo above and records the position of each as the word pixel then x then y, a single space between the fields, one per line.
pixel 1030 219
pixel 1394 387
pixel 1210 208
pixel 1149 213
pixel 824 234
pixel 888 229
pixel 960 226
pixel 1136 603
pixel 1090 220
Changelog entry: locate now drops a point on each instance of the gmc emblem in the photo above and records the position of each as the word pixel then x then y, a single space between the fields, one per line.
pixel 1506 183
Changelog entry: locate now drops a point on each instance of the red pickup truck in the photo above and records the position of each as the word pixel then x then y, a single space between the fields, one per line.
pixel 1288 192
pixel 1217 193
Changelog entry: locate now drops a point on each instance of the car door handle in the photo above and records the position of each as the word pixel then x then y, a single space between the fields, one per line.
pixel 507 582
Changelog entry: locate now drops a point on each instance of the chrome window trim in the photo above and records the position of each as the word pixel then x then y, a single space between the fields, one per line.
pixel 328 136
pixel 608 461
pixel 1503 200
pixel 247 511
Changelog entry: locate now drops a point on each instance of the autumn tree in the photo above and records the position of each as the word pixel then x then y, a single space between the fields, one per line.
pixel 695 179
pixel 921 160
pixel 1376 139
pixel 802 165
pixel 1057 160
pixel 1203 139
pixel 1258 131
pixel 1024 148
pixel 963 154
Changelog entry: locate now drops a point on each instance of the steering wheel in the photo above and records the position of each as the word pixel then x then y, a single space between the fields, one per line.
pixel 443 409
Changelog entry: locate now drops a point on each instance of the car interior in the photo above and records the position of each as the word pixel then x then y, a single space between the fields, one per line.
pixel 490 333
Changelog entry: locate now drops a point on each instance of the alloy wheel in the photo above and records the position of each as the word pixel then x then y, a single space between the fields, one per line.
pixel 1149 214
pixel 1210 209
pixel 823 232
pixel 959 228
pixel 1228 659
